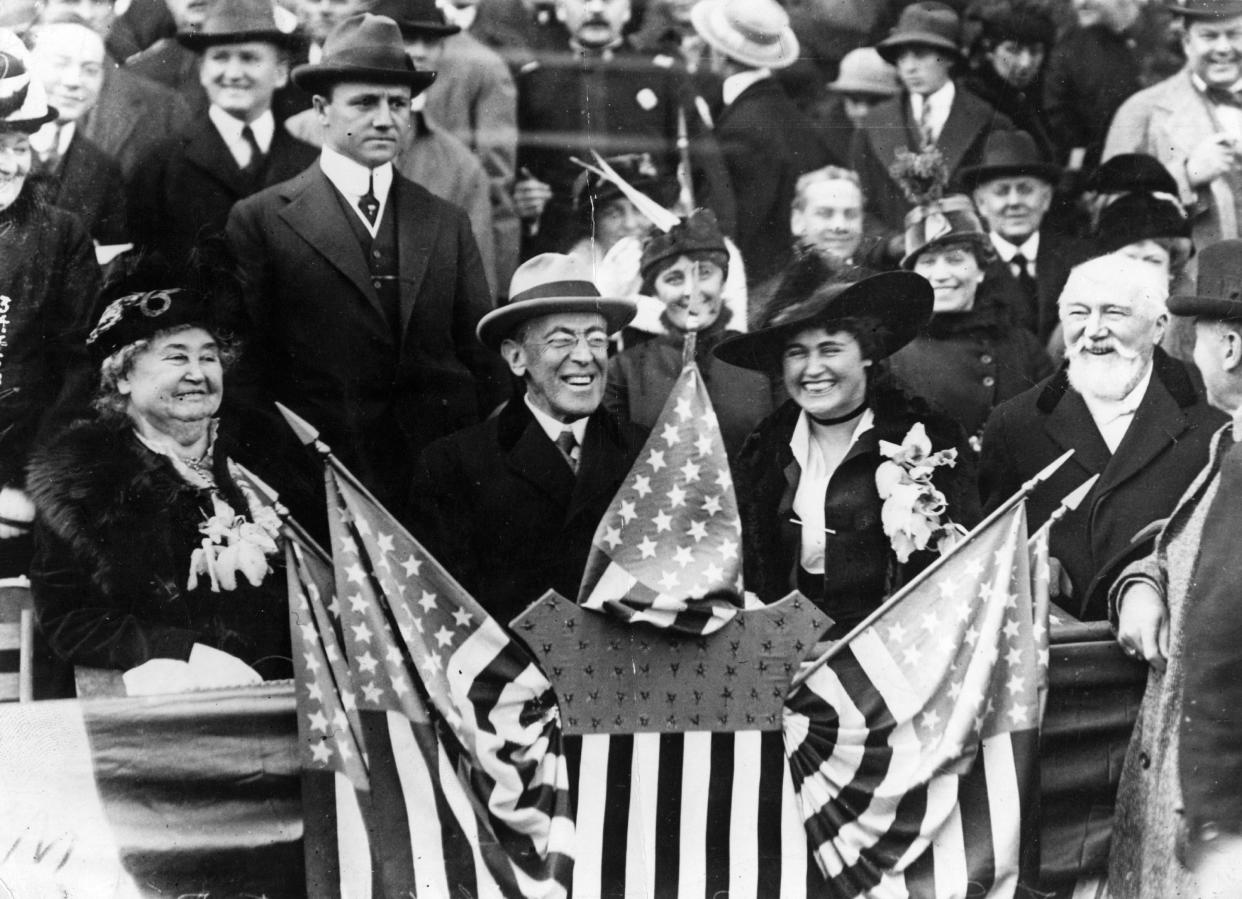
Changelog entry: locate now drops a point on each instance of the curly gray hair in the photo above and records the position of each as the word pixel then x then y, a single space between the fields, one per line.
pixel 108 398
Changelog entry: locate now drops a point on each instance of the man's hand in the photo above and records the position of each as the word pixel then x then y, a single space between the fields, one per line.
pixel 16 512
pixel 1210 159
pixel 1059 584
pixel 530 195
pixel 1143 624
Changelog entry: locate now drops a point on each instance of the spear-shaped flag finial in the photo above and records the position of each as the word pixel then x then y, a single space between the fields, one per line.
pixel 304 430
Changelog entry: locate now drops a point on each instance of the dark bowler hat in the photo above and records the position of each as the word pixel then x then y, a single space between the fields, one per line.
pixel 23 102
pixel 363 48
pixel 1140 216
pixel 1009 154
pixel 1219 288
pixel 1127 172
pixel 551 284
pixel 925 24
pixel 415 17
pixel 899 303
pixel 239 22
pixel 1205 9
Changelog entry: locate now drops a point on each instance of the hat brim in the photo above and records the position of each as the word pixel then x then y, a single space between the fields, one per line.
pixel 29 126
pixel 436 29
pixel 1228 11
pixel 709 21
pixel 1207 307
pixel 314 77
pixel 972 176
pixel 495 327
pixel 890 48
pixel 193 40
pixel 901 301
pixel 867 88
pixel 979 240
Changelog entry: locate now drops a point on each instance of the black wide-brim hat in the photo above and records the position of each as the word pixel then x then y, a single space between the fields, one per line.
pixel 1218 291
pixel 415 17
pixel 1135 217
pixel 899 303
pixel 1009 154
pixel 367 49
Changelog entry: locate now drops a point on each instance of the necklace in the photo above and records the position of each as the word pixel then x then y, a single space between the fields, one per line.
pixel 841 419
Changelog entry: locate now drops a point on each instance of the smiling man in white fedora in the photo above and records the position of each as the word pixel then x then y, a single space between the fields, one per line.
pixel 510 506
pixel 766 141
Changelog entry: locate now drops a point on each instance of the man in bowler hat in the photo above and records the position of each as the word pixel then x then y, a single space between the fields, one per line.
pixel 363 289
pixel 511 505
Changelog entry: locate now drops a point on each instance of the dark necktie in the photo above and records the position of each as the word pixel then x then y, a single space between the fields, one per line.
pixel 368 202
pixel 925 124
pixel 51 162
pixel 567 443
pixel 1223 97
pixel 252 167
pixel 1025 280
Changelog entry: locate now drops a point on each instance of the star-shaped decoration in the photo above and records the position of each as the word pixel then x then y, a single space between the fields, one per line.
pixel 384 543
pixel 315 691
pixel 612 536
pixel 367 662
pixel 713 573
pixel 1017 713
pixel 698 530
pixel 724 480
pixel 427 601
pixel 399 686
pixel 309 632
pixel 711 504
pixel 930 719
pixel 393 656
pixel 728 549
pixel 704 444
pixel 647 548
pixel 690 471
pixel 656 460
pixel 348 546
pixel 1011 628
pixel 1014 656
pixel 349 701
pixel 1016 684
pixel 318 721
pixel 357 603
pixel 627 512
pixel 362 633
pixel 670 433
pixel 444 636
pixel 897 633
pixel 669 580
pixel 462 618
pixel 663 521
pixel 321 751
pixel 912 655
pixel 363 528
pixel 683 556
pixel 684 411
pixel 372 692
pixel 312 662
pixel 676 496
pixel 356 574
pixel 642 485
pixel 432 663
pixel 411 566
pixel 334 607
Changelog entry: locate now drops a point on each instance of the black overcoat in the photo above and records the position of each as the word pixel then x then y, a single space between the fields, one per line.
pixel 319 339
pixel 498 505
pixel 1164 448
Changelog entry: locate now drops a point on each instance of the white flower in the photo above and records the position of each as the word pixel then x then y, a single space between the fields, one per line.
pixel 887 477
pixel 913 506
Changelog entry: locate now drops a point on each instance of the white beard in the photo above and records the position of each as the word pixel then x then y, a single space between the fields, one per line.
pixel 1110 377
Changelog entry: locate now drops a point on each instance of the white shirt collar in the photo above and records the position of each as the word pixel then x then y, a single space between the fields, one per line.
pixel 1113 417
pixel 940 101
pixel 733 86
pixel 352 179
pixel 553 427
pixel 808 502
pixel 230 127
pixel 42 139
pixel 1006 250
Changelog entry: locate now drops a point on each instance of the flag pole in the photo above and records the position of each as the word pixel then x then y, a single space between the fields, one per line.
pixel 1023 492
pixel 1071 502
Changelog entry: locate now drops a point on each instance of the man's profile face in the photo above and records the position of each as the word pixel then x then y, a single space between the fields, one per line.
pixel 365 122
pixel 241 78
pixel 1014 207
pixel 564 360
pixel 1214 50
pixel 594 23
pixel 69 60
pixel 424 50
pixel 98 14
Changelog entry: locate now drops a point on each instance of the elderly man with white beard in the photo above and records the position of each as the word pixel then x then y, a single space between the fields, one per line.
pixel 1132 414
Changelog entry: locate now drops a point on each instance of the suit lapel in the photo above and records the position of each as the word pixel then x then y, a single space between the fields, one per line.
pixel 416 235
pixel 602 461
pixel 207 151
pixel 1071 426
pixel 1157 423
pixel 314 213
pixel 886 129
pixel 535 458
pixel 965 121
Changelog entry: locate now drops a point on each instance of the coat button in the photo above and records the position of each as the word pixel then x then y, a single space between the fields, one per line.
pixel 989 381
pixel 376 254
pixel 376 283
pixel 1144 760
pixel 985 359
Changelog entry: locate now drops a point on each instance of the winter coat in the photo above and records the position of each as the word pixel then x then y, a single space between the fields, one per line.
pixel 115 530
pixel 860 567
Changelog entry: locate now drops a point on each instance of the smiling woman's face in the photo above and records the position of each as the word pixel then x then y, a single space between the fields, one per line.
pixel 15 162
pixel 177 380
pixel 825 372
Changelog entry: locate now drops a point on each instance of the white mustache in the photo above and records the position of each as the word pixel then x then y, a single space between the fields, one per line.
pixel 1081 346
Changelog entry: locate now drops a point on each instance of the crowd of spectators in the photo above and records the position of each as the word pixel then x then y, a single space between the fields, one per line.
pixel 424 209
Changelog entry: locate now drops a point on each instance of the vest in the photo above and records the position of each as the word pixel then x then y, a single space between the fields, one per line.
pixel 381 254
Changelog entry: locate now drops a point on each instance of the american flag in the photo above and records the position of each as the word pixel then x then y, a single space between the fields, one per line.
pixel 1041 576
pixel 475 741
pixel 913 751
pixel 667 552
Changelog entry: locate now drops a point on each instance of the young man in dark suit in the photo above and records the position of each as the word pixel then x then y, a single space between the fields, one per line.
pixel 364 289
pixel 510 506
pixel 185 187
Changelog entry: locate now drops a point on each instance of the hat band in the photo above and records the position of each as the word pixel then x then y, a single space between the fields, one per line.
pixel 753 34
pixel 369 56
pixel 554 289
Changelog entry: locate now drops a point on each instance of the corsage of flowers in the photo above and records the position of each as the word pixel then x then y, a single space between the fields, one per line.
pixel 913 507
pixel 233 545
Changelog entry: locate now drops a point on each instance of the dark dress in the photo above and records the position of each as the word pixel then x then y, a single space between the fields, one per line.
pixel 860 567
pixel 116 528
pixel 965 364
pixel 641 378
